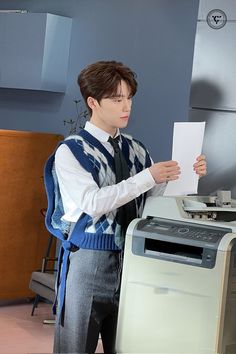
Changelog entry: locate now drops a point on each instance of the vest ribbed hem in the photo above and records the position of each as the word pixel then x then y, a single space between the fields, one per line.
pixel 92 241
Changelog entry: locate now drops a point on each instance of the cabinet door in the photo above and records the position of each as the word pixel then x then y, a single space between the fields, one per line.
pixel 34 51
pixel 214 75
pixel 22 233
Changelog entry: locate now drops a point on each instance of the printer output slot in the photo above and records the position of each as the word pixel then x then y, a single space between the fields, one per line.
pixel 173 251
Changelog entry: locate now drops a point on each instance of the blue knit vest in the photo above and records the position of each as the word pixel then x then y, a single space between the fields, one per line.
pixel 94 233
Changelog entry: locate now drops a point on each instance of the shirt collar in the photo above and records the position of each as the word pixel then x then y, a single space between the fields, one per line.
pixel 98 133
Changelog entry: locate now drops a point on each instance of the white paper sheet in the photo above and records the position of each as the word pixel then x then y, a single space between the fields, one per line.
pixel 187 146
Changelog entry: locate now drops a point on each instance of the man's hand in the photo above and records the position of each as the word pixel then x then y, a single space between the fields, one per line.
pixel 165 171
pixel 200 166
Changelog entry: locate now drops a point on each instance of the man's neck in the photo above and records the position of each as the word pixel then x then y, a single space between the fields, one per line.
pixel 110 130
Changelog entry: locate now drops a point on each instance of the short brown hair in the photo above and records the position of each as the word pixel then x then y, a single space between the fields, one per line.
pixel 101 79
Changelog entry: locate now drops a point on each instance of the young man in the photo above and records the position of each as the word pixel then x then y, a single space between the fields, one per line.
pixel 92 198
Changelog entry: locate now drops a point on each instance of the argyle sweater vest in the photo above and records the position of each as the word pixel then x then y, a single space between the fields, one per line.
pixel 98 233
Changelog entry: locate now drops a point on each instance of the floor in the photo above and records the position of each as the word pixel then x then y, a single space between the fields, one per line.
pixel 21 333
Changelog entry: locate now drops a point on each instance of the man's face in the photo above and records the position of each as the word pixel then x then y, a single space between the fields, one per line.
pixel 112 113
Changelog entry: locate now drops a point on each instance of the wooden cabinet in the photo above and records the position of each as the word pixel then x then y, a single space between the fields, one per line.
pixel 23 236
pixel 34 51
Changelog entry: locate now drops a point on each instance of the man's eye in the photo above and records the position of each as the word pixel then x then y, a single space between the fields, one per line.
pixel 117 99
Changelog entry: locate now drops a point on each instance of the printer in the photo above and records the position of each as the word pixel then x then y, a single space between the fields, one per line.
pixel 178 289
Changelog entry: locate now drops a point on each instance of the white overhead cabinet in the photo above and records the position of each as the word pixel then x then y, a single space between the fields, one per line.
pixel 34 51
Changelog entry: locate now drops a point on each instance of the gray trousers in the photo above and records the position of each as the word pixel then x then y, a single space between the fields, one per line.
pixel 91 302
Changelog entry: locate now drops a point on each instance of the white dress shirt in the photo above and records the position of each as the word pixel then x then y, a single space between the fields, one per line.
pixel 80 193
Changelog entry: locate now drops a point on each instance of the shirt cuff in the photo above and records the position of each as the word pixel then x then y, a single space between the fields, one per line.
pixel 144 181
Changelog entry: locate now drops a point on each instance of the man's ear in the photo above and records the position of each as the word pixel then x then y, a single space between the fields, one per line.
pixel 91 102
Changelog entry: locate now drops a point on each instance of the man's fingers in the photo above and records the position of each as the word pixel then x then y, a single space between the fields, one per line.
pixel 169 163
pixel 201 157
pixel 165 171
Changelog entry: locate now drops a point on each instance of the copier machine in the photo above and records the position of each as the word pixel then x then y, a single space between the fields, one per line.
pixel 178 289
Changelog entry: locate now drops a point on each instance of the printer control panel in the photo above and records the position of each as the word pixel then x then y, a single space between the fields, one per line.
pixel 178 241
pixel 189 231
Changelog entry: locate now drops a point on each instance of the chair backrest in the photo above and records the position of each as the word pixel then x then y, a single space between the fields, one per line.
pixel 47 258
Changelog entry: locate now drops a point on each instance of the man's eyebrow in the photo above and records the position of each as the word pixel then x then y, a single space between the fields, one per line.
pixel 117 95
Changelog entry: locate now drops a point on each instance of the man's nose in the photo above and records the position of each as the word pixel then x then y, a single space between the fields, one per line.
pixel 127 105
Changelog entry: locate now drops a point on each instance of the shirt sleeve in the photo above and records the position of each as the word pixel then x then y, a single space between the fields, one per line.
pixel 80 193
pixel 158 189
